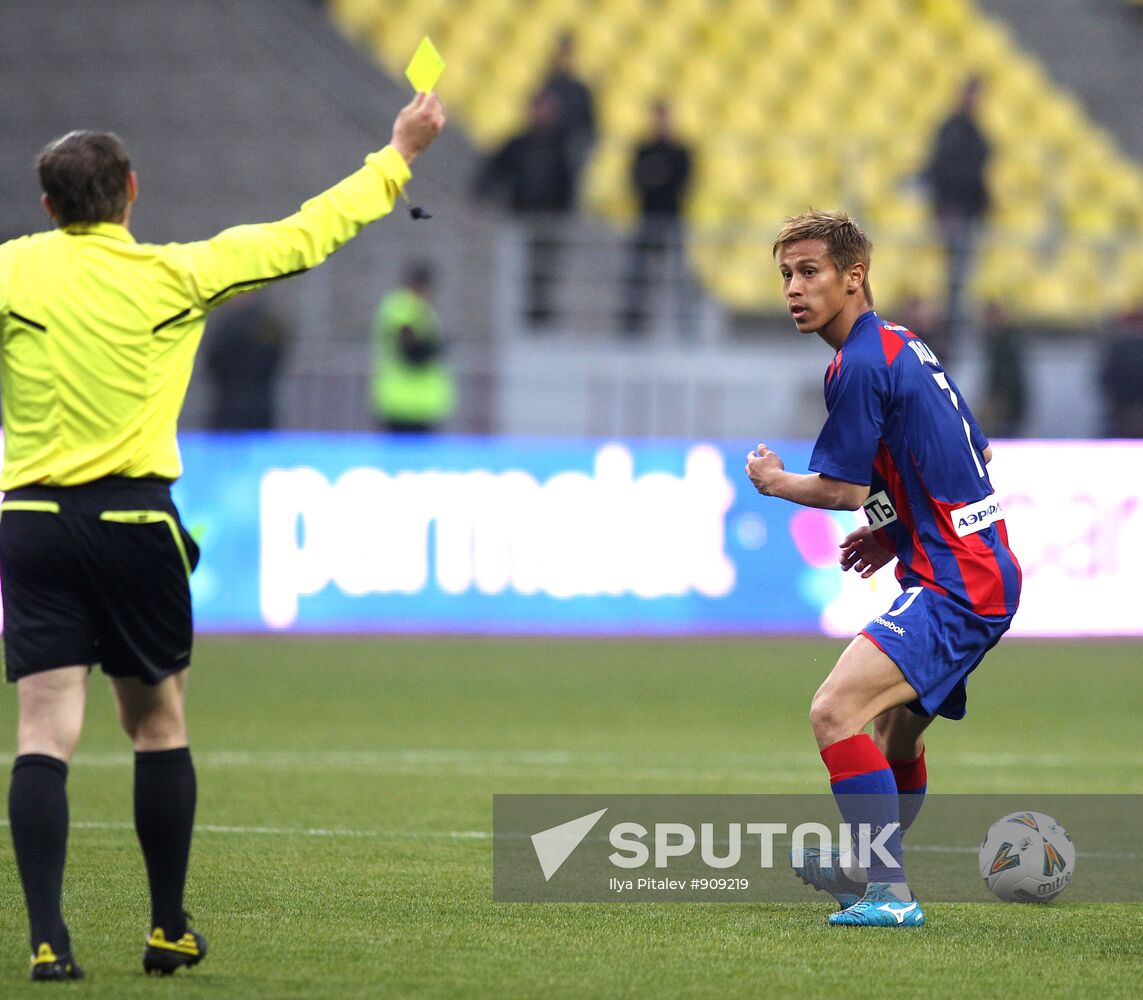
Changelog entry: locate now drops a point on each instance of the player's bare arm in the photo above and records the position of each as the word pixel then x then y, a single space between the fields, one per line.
pixel 861 553
pixel 768 474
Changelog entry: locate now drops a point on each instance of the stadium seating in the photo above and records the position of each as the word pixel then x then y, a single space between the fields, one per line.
pixel 793 103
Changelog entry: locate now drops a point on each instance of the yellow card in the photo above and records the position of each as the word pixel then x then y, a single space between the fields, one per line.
pixel 425 67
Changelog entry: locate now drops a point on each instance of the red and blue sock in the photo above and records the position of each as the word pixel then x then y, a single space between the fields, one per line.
pixel 863 784
pixel 912 779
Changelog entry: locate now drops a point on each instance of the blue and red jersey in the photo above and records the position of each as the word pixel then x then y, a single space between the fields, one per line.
pixel 898 423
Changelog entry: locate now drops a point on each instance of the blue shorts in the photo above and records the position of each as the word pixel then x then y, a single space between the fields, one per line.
pixel 936 642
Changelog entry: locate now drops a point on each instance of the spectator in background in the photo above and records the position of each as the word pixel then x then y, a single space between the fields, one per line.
pixel 661 175
pixel 245 346
pixel 575 107
pixel 955 175
pixel 921 315
pixel 1005 396
pixel 1006 385
pixel 413 389
pixel 531 176
pixel 1121 378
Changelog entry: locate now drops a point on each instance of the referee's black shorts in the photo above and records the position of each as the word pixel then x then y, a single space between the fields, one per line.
pixel 98 573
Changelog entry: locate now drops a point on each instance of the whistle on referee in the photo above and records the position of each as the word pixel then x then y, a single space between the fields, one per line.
pixel 416 212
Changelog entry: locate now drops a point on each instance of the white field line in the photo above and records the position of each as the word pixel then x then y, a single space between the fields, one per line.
pixel 544 759
pixel 298 831
pixel 634 767
pixel 287 831
pixel 789 768
pixel 436 758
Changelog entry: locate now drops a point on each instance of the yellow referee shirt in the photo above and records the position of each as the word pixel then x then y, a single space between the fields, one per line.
pixel 98 333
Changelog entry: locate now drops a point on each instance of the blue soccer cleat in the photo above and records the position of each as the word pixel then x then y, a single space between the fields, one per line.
pixel 828 878
pixel 880 907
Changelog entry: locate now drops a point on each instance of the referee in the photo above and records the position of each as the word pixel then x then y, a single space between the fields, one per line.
pixel 97 338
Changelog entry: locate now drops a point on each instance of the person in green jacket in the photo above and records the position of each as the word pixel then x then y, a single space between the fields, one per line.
pixel 413 388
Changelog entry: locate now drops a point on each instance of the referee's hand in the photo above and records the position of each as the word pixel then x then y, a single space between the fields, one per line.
pixel 418 124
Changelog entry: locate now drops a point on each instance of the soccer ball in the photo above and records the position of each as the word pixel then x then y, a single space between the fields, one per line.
pixel 1027 857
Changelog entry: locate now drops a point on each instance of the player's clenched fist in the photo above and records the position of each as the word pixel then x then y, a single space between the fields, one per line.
pixel 761 464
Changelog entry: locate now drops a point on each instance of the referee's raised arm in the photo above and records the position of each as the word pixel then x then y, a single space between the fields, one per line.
pixel 246 257
pixel 98 335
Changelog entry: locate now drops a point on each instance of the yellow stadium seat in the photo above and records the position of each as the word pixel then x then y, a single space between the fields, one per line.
pixel 1023 80
pixel 991 47
pixel 356 16
pixel 397 40
pixel 1096 219
pixel 1061 118
pixel 1125 188
pixel 896 213
pixel 607 186
pixel 952 14
pixel 902 270
pixel 799 102
pixel 1129 271
pixel 1004 268
pixel 627 120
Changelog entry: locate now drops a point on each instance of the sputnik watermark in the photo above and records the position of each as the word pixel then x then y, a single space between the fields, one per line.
pixel 678 840
pixel 719 849
pixel 781 848
pixel 724 848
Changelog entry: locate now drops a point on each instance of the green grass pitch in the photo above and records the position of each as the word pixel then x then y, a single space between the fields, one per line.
pixel 345 799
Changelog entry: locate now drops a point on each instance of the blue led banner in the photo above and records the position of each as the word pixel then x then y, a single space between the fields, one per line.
pixel 318 532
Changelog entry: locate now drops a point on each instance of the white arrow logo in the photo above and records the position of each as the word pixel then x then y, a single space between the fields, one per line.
pixel 554 846
pixel 900 914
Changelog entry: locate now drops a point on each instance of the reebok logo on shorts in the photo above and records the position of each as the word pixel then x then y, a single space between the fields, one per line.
pixel 891 626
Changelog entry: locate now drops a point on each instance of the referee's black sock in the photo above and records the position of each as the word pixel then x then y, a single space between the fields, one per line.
pixel 165 792
pixel 37 810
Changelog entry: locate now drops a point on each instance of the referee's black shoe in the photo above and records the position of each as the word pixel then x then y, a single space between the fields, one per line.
pixel 163 957
pixel 47 967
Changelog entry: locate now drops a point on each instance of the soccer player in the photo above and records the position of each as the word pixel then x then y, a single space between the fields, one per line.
pixel 97 338
pixel 898 440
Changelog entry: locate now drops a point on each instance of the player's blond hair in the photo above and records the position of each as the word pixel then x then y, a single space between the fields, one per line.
pixel 845 242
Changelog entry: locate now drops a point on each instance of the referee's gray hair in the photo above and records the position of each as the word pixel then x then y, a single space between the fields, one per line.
pixel 84 175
